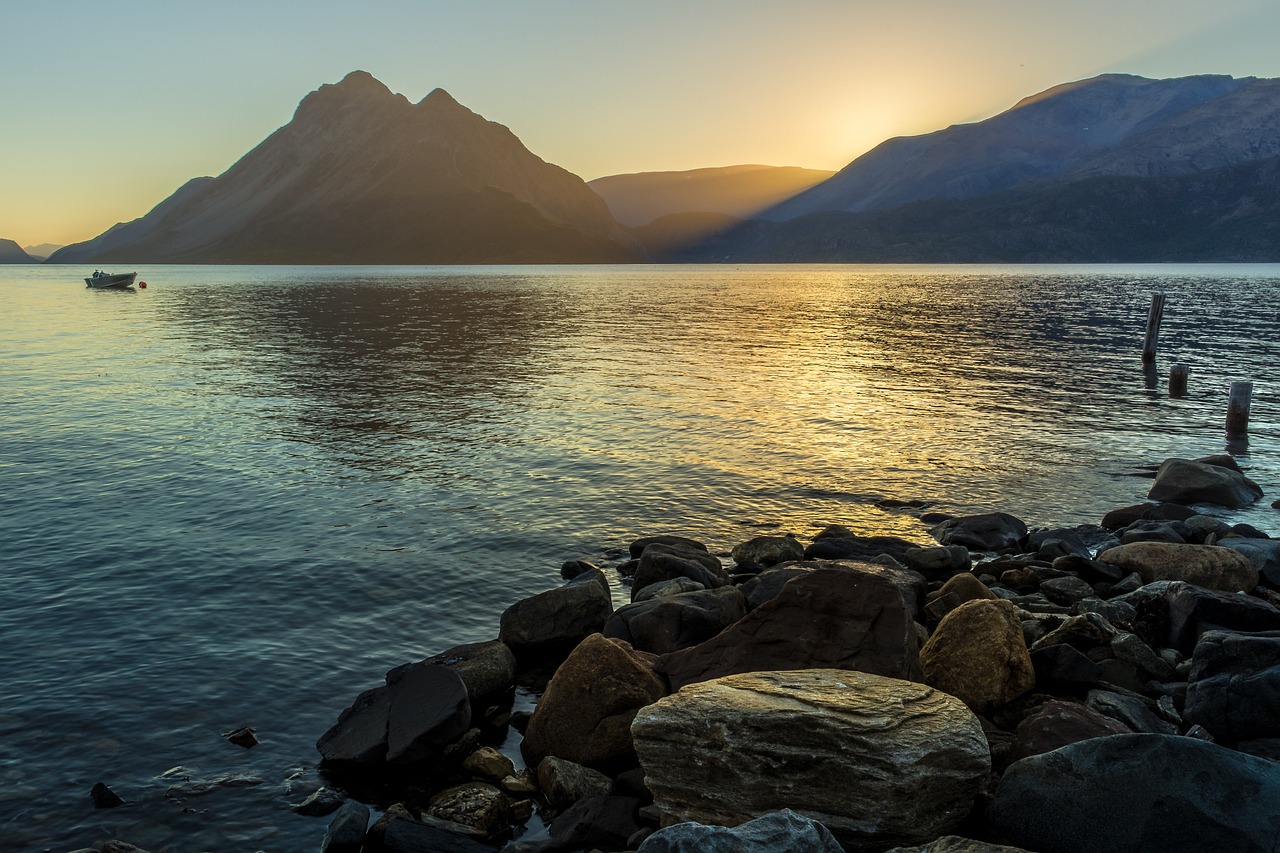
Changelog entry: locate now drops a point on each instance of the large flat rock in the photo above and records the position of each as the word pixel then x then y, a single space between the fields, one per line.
pixel 878 761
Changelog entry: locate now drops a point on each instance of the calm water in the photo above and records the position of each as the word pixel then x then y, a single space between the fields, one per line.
pixel 240 495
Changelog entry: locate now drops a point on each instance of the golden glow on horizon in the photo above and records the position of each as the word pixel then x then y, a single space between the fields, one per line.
pixel 599 89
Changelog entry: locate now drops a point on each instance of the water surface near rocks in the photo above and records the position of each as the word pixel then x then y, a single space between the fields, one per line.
pixel 239 496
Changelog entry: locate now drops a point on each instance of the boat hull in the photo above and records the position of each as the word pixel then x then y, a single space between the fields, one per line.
pixel 103 282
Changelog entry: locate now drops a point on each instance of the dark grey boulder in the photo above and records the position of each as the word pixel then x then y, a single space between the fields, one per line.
pixel 783 830
pixel 938 563
pixel 1080 541
pixel 1135 712
pixel 554 621
pixel 1198 528
pixel 422 709
pixel 597 822
pixel 412 836
pixel 661 562
pixel 828 618
pixel 564 782
pixel 1187 482
pixel 1194 610
pixel 1263 553
pixel 854 547
pixel 1064 666
pixel 1118 519
pixel 768 584
pixel 1066 590
pixel 637 547
pixel 346 831
pixel 1136 793
pixel 768 551
pixel 105 798
pixel 570 569
pixel 1234 686
pixel 993 531
pixel 670 623
pixel 1152 531
pixel 488 669
pixel 1089 569
pixel 1057 723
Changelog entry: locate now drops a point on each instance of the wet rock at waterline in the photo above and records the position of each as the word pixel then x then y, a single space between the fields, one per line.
pixel 585 713
pixel 554 621
pixel 422 709
pixel 994 531
pixel 768 551
pixel 1198 482
pixel 878 761
pixel 673 622
pixel 487 669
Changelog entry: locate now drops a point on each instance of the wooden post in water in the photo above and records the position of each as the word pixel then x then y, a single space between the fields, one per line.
pixel 1154 316
pixel 1178 380
pixel 1238 408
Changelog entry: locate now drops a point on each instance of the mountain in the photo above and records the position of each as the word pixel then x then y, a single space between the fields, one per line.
pixel 361 175
pixel 42 251
pixel 737 191
pixel 12 253
pixel 1114 124
pixel 1228 214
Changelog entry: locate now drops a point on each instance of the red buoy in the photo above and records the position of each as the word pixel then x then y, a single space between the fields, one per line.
pixel 142 284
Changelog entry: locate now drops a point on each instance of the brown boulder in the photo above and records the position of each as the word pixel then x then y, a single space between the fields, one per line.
pixel 585 713
pixel 825 619
pixel 1209 566
pixel 978 654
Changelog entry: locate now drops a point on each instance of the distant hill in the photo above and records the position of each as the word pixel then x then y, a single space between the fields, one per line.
pixel 737 191
pixel 361 175
pixel 1114 124
pixel 12 253
pixel 1228 214
pixel 42 251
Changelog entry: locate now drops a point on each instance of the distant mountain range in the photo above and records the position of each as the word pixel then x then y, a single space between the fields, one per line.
pixel 1114 168
pixel 12 253
pixel 737 191
pixel 361 175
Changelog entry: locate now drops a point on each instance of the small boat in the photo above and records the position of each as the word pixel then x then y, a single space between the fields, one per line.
pixel 100 279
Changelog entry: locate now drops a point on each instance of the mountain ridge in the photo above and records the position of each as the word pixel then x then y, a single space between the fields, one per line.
pixel 12 253
pixel 361 175
pixel 1048 134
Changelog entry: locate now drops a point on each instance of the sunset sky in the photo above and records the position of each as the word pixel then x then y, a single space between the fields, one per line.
pixel 110 107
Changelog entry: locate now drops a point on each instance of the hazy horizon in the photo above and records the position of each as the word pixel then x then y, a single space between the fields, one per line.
pixel 596 88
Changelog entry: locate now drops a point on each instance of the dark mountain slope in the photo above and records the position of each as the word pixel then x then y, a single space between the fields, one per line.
pixel 1113 124
pixel 1226 214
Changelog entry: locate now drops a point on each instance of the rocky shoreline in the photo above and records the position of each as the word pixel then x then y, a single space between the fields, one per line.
pixel 1099 687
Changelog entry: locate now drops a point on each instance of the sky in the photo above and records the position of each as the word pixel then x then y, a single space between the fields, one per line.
pixel 110 107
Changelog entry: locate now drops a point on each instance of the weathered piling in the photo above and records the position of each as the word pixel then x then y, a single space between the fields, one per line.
pixel 1178 374
pixel 1154 316
pixel 1238 408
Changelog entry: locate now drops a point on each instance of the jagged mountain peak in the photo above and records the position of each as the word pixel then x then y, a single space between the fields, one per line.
pixel 439 98
pixel 361 175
